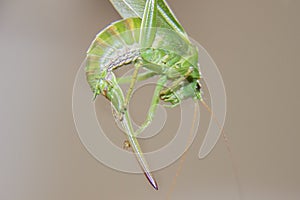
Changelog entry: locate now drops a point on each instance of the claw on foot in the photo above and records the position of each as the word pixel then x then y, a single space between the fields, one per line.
pixel 126 145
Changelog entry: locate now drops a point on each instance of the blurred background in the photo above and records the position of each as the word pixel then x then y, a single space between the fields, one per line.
pixel 255 44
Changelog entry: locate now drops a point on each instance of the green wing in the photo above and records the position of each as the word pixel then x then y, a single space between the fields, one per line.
pixel 135 8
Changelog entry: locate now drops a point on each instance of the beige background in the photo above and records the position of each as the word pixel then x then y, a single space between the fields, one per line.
pixel 255 44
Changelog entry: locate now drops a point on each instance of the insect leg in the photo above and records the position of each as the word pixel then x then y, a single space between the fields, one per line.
pixel 177 82
pixel 132 83
pixel 160 84
pixel 140 77
pixel 147 35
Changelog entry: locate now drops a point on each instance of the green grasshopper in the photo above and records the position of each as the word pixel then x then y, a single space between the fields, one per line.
pixel 165 53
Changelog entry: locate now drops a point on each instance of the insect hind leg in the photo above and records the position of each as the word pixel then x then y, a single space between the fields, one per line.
pixel 154 102
pixel 133 81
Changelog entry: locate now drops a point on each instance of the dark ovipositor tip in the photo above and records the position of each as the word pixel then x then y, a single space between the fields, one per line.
pixel 151 180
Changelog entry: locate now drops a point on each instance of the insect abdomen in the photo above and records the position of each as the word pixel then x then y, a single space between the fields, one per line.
pixel 113 47
pixel 124 59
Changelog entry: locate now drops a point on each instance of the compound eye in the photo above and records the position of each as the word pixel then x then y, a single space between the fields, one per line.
pixel 198 85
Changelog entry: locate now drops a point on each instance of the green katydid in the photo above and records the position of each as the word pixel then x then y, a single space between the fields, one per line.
pixel 141 42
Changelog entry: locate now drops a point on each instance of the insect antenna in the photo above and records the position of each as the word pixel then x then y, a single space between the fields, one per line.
pixel 182 159
pixel 226 140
